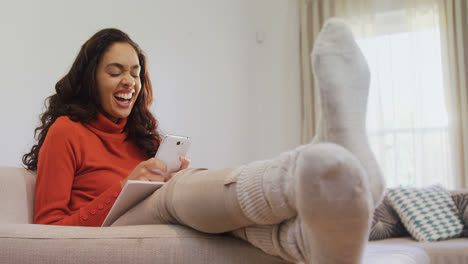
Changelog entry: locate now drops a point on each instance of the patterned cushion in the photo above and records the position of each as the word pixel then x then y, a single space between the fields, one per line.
pixel 386 223
pixel 461 201
pixel 429 214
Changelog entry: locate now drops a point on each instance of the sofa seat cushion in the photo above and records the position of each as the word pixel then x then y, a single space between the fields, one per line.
pixel 27 243
pixel 452 251
pixel 394 254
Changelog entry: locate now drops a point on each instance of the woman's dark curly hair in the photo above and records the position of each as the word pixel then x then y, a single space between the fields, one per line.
pixel 77 97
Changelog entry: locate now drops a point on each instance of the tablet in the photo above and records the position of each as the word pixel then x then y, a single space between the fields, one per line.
pixel 132 193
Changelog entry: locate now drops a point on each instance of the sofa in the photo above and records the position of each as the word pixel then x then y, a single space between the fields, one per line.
pixel 24 242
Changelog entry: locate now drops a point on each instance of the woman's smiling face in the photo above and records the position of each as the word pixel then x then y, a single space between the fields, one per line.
pixel 118 80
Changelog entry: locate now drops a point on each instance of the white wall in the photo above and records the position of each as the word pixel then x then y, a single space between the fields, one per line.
pixel 212 79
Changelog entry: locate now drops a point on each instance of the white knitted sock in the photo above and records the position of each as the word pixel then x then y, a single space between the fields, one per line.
pixel 334 207
pixel 342 75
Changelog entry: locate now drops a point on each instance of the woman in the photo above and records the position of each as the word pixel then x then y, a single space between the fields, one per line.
pixel 98 132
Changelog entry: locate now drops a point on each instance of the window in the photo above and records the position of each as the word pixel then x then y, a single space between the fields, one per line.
pixel 407 121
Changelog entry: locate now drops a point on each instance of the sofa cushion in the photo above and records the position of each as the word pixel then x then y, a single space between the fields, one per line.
pixel 16 195
pixel 27 243
pixel 429 214
pixel 461 201
pixel 386 223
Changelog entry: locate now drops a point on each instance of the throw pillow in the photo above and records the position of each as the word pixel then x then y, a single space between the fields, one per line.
pixel 386 223
pixel 429 214
pixel 461 201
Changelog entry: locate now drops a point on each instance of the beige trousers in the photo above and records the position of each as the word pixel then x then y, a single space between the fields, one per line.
pixel 202 199
pixel 206 200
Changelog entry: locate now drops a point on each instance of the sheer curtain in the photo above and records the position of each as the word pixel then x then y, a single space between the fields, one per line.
pixel 454 36
pixel 407 119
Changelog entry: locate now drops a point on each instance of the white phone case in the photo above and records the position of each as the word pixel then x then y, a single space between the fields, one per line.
pixel 169 151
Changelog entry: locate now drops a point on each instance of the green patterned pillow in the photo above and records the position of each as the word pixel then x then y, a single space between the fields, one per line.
pixel 429 214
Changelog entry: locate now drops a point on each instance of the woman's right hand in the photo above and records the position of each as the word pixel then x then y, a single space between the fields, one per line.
pixel 144 171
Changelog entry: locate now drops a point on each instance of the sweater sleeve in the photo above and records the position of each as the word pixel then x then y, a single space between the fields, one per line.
pixel 57 164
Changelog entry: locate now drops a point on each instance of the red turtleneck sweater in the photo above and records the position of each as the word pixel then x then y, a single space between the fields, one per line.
pixel 79 171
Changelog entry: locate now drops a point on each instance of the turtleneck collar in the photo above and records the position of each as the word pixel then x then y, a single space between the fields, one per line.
pixel 102 123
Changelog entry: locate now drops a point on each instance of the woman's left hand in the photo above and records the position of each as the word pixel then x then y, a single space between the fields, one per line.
pixel 184 164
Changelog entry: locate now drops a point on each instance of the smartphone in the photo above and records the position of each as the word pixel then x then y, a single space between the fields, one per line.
pixel 169 151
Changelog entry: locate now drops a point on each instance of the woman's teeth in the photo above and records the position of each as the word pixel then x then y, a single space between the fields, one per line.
pixel 125 96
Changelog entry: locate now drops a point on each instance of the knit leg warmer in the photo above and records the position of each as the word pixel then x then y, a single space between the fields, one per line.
pixel 265 189
pixel 334 209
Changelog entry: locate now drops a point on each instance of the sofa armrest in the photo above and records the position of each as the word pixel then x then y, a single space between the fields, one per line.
pixel 16 195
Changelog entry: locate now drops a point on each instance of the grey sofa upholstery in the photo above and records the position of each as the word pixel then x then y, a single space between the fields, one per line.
pixel 24 242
